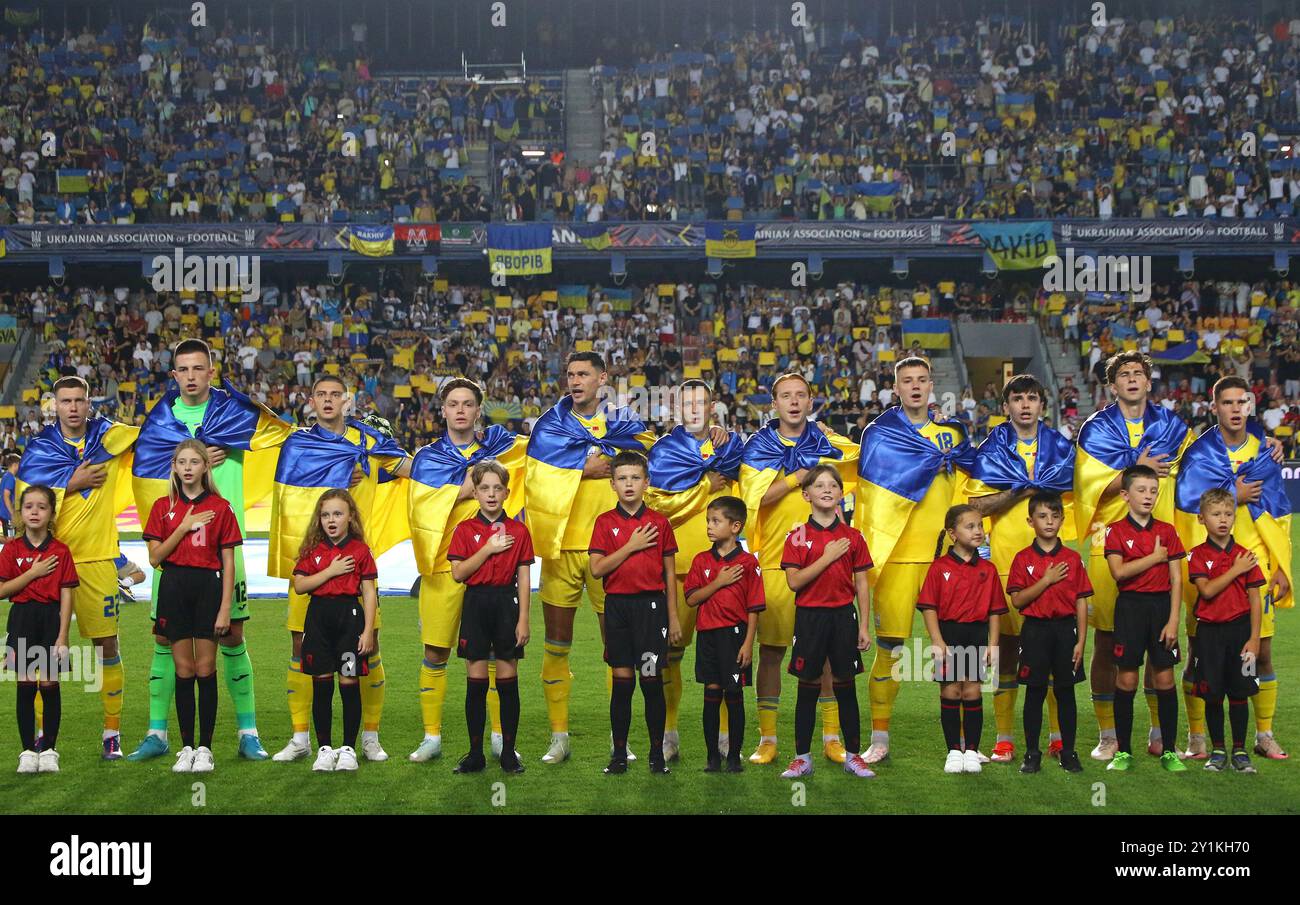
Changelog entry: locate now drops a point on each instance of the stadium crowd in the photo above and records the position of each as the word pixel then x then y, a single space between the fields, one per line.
pixel 1138 119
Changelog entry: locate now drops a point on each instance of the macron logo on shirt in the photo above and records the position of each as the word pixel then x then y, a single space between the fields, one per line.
pixel 476 537
pixel 318 560
pixel 1130 544
pixel 1029 569
pixel 706 571
pixel 615 530
pixel 945 575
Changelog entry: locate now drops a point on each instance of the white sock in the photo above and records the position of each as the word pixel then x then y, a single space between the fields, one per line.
pixel 369 735
pixel 1053 736
pixel 436 738
pixel 770 739
pixel 556 736
pixel 302 738
pixel 1108 733
pixel 1006 738
pixel 880 737
pixel 830 737
pixel 1154 735
pixel 244 732
pixel 109 733
pixel 1268 733
pixel 670 735
pixel 161 733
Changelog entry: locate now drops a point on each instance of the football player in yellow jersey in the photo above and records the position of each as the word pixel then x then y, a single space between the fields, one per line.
pixel 330 401
pixel 690 466
pixel 563 499
pixel 86 460
pixel 1130 431
pixel 903 534
pixel 435 511
pixel 776 459
pixel 1020 457
pixel 1264 532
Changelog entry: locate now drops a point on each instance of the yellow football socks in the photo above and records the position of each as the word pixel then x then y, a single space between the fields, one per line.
pixel 111 691
pixel 433 694
pixel 372 695
pixel 556 681
pixel 298 687
pixel 1266 703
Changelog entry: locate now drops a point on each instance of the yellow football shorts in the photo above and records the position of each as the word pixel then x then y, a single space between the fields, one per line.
pixel 893 600
pixel 565 577
pixel 95 599
pixel 1101 605
pixel 776 622
pixel 441 599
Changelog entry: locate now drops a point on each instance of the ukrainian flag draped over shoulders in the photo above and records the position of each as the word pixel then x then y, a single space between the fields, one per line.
pixel 231 420
pixel 766 457
pixel 1104 451
pixel 557 452
pixel 313 460
pixel 998 466
pixel 679 487
pixel 896 467
pixel 437 472
pixel 51 460
pixel 1206 465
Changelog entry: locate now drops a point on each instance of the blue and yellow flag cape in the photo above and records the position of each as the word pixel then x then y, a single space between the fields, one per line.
pixel 557 452
pixel 896 466
pixel 998 467
pixel 313 460
pixel 765 457
pixel 1206 465
pixel 437 472
pixel 678 488
pixel 1104 451
pixel 232 420
pixel 84 519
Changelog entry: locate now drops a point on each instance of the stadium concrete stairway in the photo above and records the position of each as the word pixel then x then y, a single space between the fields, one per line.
pixel 947 383
pixel 479 166
pixel 1065 361
pixel 583 120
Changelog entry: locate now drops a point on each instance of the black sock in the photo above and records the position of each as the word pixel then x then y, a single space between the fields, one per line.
pixel 846 695
pixel 1124 719
pixel 508 695
pixel 1237 715
pixel 322 708
pixel 1214 722
pixel 972 722
pixel 351 696
pixel 805 714
pixel 1067 713
pixel 27 715
pixel 712 719
pixel 53 700
pixel 620 713
pixel 950 720
pixel 476 692
pixel 1167 709
pixel 207 708
pixel 735 723
pixel 185 709
pixel 656 713
pixel 1035 696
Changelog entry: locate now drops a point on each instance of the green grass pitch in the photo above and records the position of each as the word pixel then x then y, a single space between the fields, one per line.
pixel 911 781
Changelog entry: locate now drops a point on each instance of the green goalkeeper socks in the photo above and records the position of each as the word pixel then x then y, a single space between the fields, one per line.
pixel 162 687
pixel 239 682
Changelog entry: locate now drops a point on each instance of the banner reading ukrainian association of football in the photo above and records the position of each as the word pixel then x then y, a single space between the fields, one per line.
pixel 519 249
pixel 1017 246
